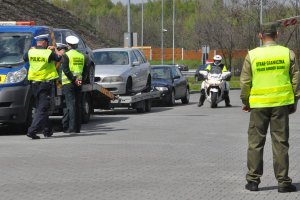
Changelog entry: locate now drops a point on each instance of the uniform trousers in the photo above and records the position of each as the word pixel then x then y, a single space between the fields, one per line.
pixel 42 92
pixel 260 119
pixel 72 113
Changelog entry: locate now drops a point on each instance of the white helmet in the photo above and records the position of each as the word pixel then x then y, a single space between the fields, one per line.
pixel 73 40
pixel 218 57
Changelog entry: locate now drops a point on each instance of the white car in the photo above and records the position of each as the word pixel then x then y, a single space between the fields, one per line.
pixel 123 71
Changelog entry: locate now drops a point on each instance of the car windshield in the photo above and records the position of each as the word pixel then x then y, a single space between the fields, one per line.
pixel 111 58
pixel 161 73
pixel 13 46
pixel 58 37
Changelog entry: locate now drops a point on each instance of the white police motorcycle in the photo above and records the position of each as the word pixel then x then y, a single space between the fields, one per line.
pixel 214 85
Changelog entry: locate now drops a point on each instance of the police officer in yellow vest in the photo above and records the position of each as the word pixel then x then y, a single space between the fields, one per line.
pixel 71 78
pixel 269 91
pixel 42 74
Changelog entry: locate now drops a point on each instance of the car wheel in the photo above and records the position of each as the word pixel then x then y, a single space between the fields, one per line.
pixel 22 128
pixel 186 98
pixel 148 105
pixel 171 101
pixel 91 74
pixel 141 106
pixel 129 86
pixel 86 109
pixel 148 85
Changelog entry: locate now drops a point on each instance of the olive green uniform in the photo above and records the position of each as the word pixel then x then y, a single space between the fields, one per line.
pixel 260 118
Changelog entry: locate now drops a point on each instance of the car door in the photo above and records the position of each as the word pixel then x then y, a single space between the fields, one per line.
pixel 135 72
pixel 179 83
pixel 144 68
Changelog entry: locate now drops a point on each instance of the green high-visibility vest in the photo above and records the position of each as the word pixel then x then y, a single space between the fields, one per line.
pixel 271 84
pixel 76 64
pixel 40 69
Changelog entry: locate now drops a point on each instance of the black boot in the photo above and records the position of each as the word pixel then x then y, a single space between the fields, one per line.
pixel 48 132
pixel 202 98
pixel 33 136
pixel 226 98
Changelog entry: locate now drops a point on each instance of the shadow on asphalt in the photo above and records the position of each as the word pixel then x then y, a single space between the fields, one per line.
pixel 276 187
pixel 125 111
pixel 95 126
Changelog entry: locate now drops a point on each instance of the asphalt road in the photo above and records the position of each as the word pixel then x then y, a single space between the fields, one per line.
pixel 173 153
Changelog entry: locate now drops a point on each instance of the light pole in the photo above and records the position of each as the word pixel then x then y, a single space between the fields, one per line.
pixel 173 32
pixel 129 22
pixel 261 8
pixel 142 32
pixel 162 32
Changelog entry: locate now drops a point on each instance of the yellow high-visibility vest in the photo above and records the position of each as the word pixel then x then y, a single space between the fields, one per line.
pixel 76 64
pixel 271 84
pixel 208 68
pixel 40 69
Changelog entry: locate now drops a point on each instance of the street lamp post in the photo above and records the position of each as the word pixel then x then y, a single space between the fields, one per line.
pixel 129 22
pixel 261 10
pixel 173 32
pixel 142 32
pixel 162 32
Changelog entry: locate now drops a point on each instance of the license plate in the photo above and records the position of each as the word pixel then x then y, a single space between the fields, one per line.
pixel 2 79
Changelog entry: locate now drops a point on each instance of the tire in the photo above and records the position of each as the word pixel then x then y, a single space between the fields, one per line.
pixel 186 98
pixel 129 86
pixel 86 108
pixel 171 101
pixel 214 97
pixel 148 105
pixel 148 85
pixel 142 107
pixel 22 128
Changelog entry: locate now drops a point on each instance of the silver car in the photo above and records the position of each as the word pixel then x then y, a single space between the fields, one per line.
pixel 122 71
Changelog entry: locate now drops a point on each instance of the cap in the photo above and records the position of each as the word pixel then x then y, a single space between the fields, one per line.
pixel 42 37
pixel 268 28
pixel 72 39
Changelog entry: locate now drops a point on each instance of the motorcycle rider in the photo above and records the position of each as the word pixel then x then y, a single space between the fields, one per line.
pixel 217 63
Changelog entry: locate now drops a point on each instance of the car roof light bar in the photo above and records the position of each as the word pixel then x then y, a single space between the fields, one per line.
pixel 18 23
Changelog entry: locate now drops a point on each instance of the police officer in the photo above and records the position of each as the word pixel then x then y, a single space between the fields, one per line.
pixel 71 78
pixel 42 74
pixel 220 66
pixel 270 91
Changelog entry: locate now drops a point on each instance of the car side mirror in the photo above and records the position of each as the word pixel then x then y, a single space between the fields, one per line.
pixel 136 63
pixel 176 77
pixel 97 79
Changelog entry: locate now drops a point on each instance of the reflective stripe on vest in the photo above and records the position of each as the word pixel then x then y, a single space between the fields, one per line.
pixel 39 67
pixel 271 85
pixel 76 63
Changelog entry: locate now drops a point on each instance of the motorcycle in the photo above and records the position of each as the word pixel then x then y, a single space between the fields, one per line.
pixel 214 85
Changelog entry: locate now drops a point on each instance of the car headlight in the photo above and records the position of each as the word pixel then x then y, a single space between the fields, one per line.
pixel 161 88
pixel 112 79
pixel 16 76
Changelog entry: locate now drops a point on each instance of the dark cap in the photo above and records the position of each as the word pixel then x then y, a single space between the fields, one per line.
pixel 42 37
pixel 268 28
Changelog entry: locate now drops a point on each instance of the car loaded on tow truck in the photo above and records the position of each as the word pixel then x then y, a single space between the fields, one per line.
pixel 16 98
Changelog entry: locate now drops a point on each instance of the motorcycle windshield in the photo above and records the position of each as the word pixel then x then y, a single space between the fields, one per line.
pixel 13 46
pixel 215 70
